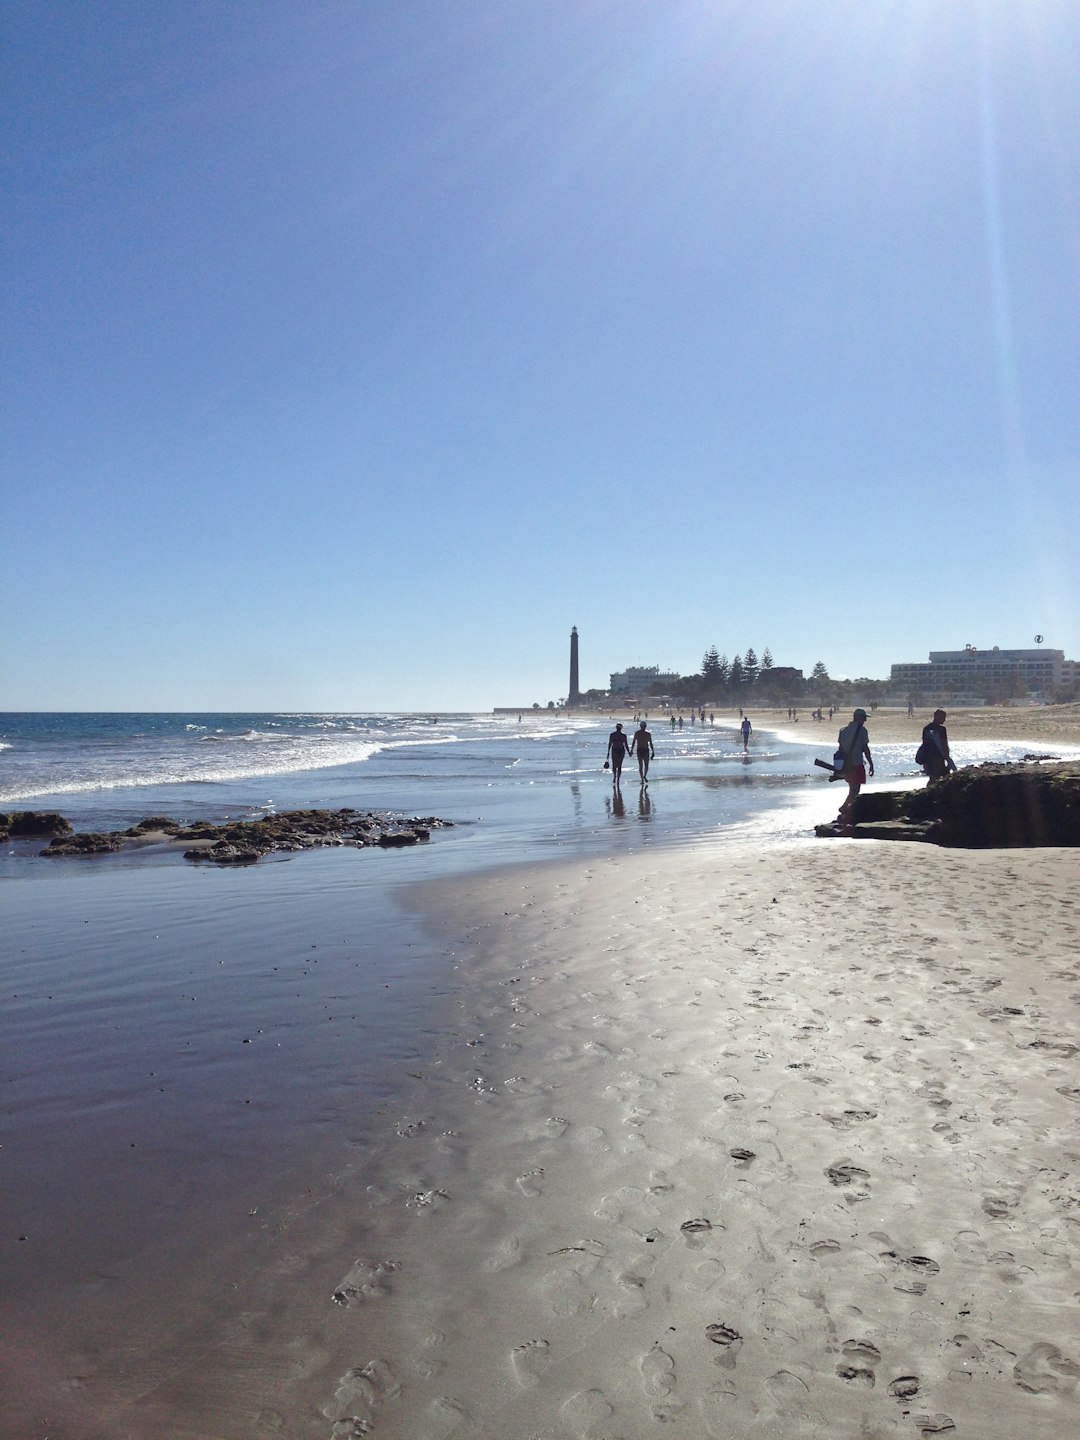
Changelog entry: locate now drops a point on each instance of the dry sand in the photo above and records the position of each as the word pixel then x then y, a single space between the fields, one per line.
pixel 716 1142
pixel 1037 725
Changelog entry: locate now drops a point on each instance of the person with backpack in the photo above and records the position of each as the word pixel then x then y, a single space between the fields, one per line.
pixel 933 754
pixel 853 745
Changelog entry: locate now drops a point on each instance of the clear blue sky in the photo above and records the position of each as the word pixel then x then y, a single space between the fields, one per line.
pixel 359 348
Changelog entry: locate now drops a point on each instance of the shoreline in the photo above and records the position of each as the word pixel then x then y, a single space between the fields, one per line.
pixel 743 1140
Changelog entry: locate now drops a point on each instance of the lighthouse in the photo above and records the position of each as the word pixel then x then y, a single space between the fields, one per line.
pixel 573 695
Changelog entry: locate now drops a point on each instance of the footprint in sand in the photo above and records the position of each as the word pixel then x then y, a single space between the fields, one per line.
pixel 585 1411
pixel 445 1417
pixel 729 1341
pixel 424 1200
pixel 530 1360
pixel 787 1388
pixel 904 1387
pixel 851 1178
pixel 717 1407
pixel 930 1425
pixel 1044 1370
pixel 788 1392
pixel 847 1118
pixel 967 1356
pixel 658 1372
pixel 567 1293
pixel 631 1299
pixel 627 1204
pixel 856 1375
pixel 351 1428
pixel 529 1183
pixel 505 1254
pixel 695 1232
pixel 365 1387
pixel 591 1137
pixel 911 1270
pixel 704 1276
pixel 857 1367
pixel 366 1280
pixel 821 1249
pixel 998 1205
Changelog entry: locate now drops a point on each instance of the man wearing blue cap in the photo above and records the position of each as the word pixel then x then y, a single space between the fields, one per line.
pixel 853 743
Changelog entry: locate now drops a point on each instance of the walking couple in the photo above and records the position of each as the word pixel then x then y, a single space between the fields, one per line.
pixel 619 746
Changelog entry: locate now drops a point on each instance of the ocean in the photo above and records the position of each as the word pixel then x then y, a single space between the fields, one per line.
pixel 515 787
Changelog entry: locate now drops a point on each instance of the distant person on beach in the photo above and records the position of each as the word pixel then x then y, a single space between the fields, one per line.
pixel 641 746
pixel 936 760
pixel 853 745
pixel 746 727
pixel 617 747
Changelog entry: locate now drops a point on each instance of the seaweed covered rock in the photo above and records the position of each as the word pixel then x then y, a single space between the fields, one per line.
pixel 234 842
pixel 85 843
pixel 155 825
pixel 991 806
pixel 240 842
pixel 1003 806
pixel 28 824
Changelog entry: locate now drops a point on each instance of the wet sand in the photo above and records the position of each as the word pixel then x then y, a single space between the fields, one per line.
pixel 721 1141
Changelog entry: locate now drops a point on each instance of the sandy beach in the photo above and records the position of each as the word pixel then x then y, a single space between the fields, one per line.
pixel 731 1142
pixel 1039 725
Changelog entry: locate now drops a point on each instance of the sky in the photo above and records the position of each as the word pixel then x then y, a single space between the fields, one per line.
pixel 357 349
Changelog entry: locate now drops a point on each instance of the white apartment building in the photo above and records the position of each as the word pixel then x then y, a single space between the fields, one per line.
pixel 642 680
pixel 969 669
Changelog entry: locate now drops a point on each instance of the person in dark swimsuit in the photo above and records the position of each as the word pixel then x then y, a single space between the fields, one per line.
pixel 617 747
pixel 642 746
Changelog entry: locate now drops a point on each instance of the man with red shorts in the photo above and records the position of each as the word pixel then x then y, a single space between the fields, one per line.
pixel 853 743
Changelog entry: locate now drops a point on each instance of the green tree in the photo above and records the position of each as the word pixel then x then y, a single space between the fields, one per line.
pixel 723 674
pixel 736 678
pixel 766 661
pixel 749 669
pixel 710 671
pixel 819 680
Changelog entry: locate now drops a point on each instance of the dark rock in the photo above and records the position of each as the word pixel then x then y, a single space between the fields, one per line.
pixel 20 823
pixel 240 842
pixel 881 830
pixel 880 805
pixel 1004 806
pixel 981 807
pixel 87 843
pixel 155 824
pixel 225 854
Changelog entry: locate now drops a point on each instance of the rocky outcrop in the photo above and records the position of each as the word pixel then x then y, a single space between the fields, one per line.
pixel 85 843
pixel 23 824
pixel 987 806
pixel 243 842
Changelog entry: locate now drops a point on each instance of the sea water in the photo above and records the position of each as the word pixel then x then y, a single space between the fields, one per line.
pixel 516 787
